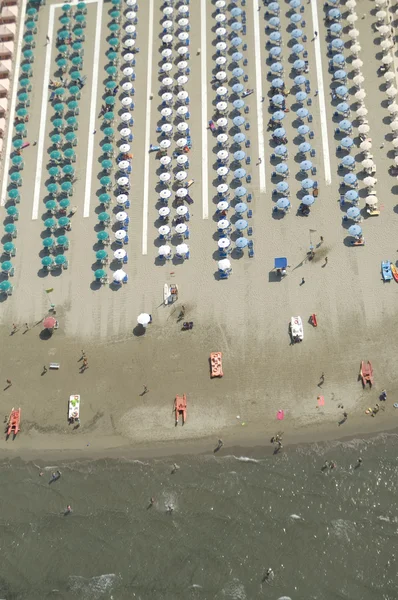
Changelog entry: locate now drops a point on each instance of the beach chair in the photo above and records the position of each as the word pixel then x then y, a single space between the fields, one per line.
pixel 251 252
pixel 312 153
pixel 223 274
pixel 311 135
pixel 250 231
pixel 249 214
pixel 249 197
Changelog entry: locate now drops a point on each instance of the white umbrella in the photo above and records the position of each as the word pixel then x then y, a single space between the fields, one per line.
pixel 222 171
pixel 167 128
pixel 120 234
pixel 394 126
pixel 381 14
pixel 223 243
pixel 352 18
pixel 357 63
pixel 167 52
pixel 364 128
pixel 221 31
pixel 183 36
pixel 165 194
pixel 167 97
pixel 222 188
pixel 168 10
pixel 386 44
pixel 181 175
pixel 182 111
pixel 122 181
pixel 181 210
pixel 182 142
pixel 366 145
pixel 164 177
pixel 223 224
pixel 222 155
pixel 222 138
pixel 358 79
pixel 396 160
pixel 124 147
pixel 129 57
pixel 182 80
pixel 354 33
pixel 183 95
pixel 130 29
pixel 221 46
pixel 387 60
pixel 221 60
pixel 369 181
pixel 119 254
pixel 164 230
pixel 356 48
pixel 360 95
pixel 221 106
pixel 351 4
pixel 129 43
pixel 223 205
pixel 384 30
pixel 165 160
pixel 362 111
pixel 164 250
pixel 167 24
pixel 127 101
pixel 389 76
pixel 144 319
pixel 181 228
pixel 125 132
pixel 165 144
pixel 182 159
pixel 128 71
pixel 164 211
pixel 182 65
pixel 122 198
pixel 126 116
pixel 371 200
pixel 221 76
pixel 121 216
pixel 222 122
pixel 167 82
pixel 222 91
pixel 381 2
pixel 123 165
pixel 367 163
pixel 182 249
pixel 183 22
pixel 392 91
pixel 220 4
pixel 395 142
pixel 224 264
pixel 119 275
pixel 181 192
pixel 131 15
pixel 167 67
pixel 182 127
pixel 165 112
pixel 183 50
pixel 220 18
pixel 393 108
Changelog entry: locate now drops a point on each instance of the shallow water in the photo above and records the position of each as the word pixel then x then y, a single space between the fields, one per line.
pixel 326 535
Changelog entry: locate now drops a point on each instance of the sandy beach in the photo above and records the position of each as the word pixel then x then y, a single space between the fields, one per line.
pixel 247 316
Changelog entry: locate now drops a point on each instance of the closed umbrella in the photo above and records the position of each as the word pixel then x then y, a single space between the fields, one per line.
pixel 308 200
pixel 283 203
pixel 355 230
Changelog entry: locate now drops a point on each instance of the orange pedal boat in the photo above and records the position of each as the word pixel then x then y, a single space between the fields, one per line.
pixel 216 364
pixel 366 373
pixel 13 422
pixel 180 407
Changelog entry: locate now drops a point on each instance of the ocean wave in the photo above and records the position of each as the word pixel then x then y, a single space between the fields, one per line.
pixel 93 588
pixel 247 459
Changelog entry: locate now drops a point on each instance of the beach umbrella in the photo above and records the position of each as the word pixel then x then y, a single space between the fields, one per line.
pixel 283 203
pixel 10 228
pixel 223 224
pixel 70 136
pixel 238 103
pixel 367 163
pixel 66 186
pixel 338 59
pixel 164 250
pixel 279 115
pixel 306 165
pixel 238 121
pixel 343 107
pixel 294 3
pixel 241 242
pixel 64 203
pixel 143 319
pixel 365 145
pixel 360 95
pixel 239 138
pixel 51 205
pixel 240 191
pixel 297 49
pixel 13 194
pixel 237 88
pixel 347 142
pixel 370 181
pixel 362 111
pixel 282 168
pixel 237 56
pixel 308 200
pixel 278 99
pixel 337 44
pixel 295 18
pixel 335 28
pixel 298 65
pixel 275 36
pixel 63 222
pixel 300 80
pixel 48 242
pixel 50 223
pixel 119 275
pixel 12 211
pixel 282 187
pixel 239 155
pixel 182 249
pixel 52 188
pixel 357 63
pixel 9 248
pixel 348 161
pixel 340 74
pixel 353 212
pixel 296 34
pixel 102 236
pixel 304 147
pixel 275 51
pixel 222 188
pixel 303 129
pixel 341 90
pixel 236 11
pixel 394 126
pixel 280 150
pixel 277 83
pixel 241 224
pixel 301 96
pixel 307 184
pixel 17 160
pixel 17 144
pixel 224 264
pixel 354 33
pixel 363 128
pixel 279 133
pixel 47 261
pixel 350 179
pixel 386 44
pixel 68 170
pixel 221 171
pixel 99 274
pixel 239 173
pixel 355 230
pixel 393 108
pixel 334 13
pixel 240 207
pixel 236 41
pixel 302 113
pixel 236 26
pixel 277 67
pixel 384 30
pixel 392 91
pixel 103 216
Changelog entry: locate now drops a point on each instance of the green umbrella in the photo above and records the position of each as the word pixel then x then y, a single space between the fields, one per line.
pixel 63 222
pixel 60 259
pixel 24 82
pixel 114 42
pixel 63 35
pixel 104 216
pixel 58 123
pixel 69 153
pixel 31 11
pixel 111 70
pixel 110 100
pixel 12 211
pixel 74 90
pixel 72 105
pixel 106 164
pixel 107 148
pixel 77 46
pixel 18 143
pixel 59 107
pixel 22 112
pixel 47 261
pixel 62 62
pixel 115 14
pixel 109 116
pixel 6 266
pixel 63 49
pixel 13 194
pixel 54 171
pixel 52 188
pixel 15 177
pixel 48 242
pixel 112 55
pixel 17 160
pixel 116 2
pixel 114 27
pixel 20 128
pixel 10 228
pixel 70 136
pixel 76 61
pixel 99 274
pixel 28 38
pixel 23 97
pixel 30 25
pixel 78 31
pixel 55 155
pixel 56 138
pixel 101 235
pixel 28 54
pixel 110 85
pixel 81 6
pixel 64 203
pixel 27 69
pixel 66 186
pixel 62 240
pixel 49 223
pixel 71 121
pixel 100 255
pixel 66 7
pixel 59 92
pixel 51 205
pixel 9 248
pixel 64 20
pixel 104 198
pixel 5 286
pixel 68 170
pixel 80 19
pixel 109 132
pixel 105 181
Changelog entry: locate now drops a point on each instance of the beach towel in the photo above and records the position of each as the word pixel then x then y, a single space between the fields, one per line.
pixel 321 401
pixel 280 415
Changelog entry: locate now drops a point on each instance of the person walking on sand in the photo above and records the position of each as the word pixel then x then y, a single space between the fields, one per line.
pixel 45 369
pixel 175 468
pixel 326 260
pixel 9 382
pixel 220 444
pixel 322 379
pixel 68 509
pixel 302 281
pixel 145 391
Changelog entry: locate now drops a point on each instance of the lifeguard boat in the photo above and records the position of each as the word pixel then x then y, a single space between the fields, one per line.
pixel 13 422
pixel 180 408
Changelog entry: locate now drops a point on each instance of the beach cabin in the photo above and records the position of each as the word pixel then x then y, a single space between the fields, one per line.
pixel 6 50
pixel 7 32
pixel 9 14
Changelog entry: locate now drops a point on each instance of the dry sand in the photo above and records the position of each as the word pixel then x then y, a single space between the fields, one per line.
pixel 245 317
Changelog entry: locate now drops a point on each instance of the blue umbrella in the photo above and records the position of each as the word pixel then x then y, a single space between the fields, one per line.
pixel 278 115
pixel 239 138
pixel 340 74
pixel 241 242
pixel 237 56
pixel 298 65
pixel 277 67
pixel 275 51
pixel 304 147
pixel 238 103
pixel 300 80
pixel 274 7
pixel 236 11
pixel 278 99
pixel 353 212
pixel 281 168
pixel 240 191
pixel 241 207
pixel 338 59
pixel 302 112
pixel 241 224
pixel 236 41
pixel 275 36
pixel 279 132
pixel 297 49
pixel 337 44
pixel 306 165
pixel 280 150
pixel 236 26
pixel 348 161
pixel 303 129
pixel 238 72
pixel 283 203
pixel 282 187
pixel 294 3
pixel 351 196
pixel 308 200
pixel 347 142
pixel 343 107
pixel 350 178
pixel 296 18
pixel 237 88
pixel 238 121
pixel 345 124
pixel 307 184
pixel 239 155
pixel 334 13
pixel 341 90
pixel 277 83
pixel 274 22
pixel 336 28
pixel 355 230
pixel 296 34
pixel 301 96
pixel 239 173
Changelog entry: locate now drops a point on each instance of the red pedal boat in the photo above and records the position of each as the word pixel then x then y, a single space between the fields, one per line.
pixel 180 407
pixel 13 422
pixel 366 373
pixel 394 272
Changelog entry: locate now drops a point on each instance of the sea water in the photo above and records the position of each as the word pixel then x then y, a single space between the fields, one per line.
pixel 217 524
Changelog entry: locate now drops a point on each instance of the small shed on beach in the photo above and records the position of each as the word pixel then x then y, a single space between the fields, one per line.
pixel 4 88
pixel 6 50
pixel 7 32
pixel 5 69
pixel 9 14
pixel 3 107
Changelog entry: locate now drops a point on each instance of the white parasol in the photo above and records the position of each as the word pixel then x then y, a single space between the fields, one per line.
pixel 221 106
pixel 119 275
pixel 167 52
pixel 182 80
pixel 182 127
pixel 358 79
pixel 364 128
pixel 362 111
pixel 384 30
pixel 380 15
pixel 222 188
pixel 396 160
pixel 222 91
pixel 391 92
pixel 356 48
pixel 367 163
pixel 221 76
pixel 352 18
pixel 370 181
pixel 165 194
pixel 182 159
pixel 120 234
pixel 164 250
pixel 123 181
pixel 386 44
pixel 183 95
pixel 128 71
pixel 360 95
pixel 167 97
pixel 127 101
pixel 181 228
pixel 181 192
pixel 124 147
pixel 371 200
pixel 181 210
pixel 182 111
pixel 165 112
pixel 224 264
pixel 181 65
pixel 366 145
pixel 389 76
pixel 393 108
pixel 119 254
pixel 164 211
pixel 351 4
pixel 165 160
pixel 164 177
pixel 357 63
pixel 182 142
pixel 224 243
pixel 222 154
pixel 164 230
pixel 354 33
pixel 222 138
pixel 182 249
pixel 222 171
pixel 167 81
pixel 221 60
pixel 394 126
pixel 126 116
pixel 223 224
pixel 167 67
pixel 222 122
pixel 395 142
pixel 181 175
pixel 221 46
pixel 183 50
pixel 122 198
pixel 164 144
pixel 387 59
pixel 144 319
pixel 130 29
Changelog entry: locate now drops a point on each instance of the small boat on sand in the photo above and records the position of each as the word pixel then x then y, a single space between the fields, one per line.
pixel 13 423
pixel 394 272
pixel 180 407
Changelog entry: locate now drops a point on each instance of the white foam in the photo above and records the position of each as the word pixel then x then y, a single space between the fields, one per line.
pixel 93 588
pixel 245 459
pixel 297 517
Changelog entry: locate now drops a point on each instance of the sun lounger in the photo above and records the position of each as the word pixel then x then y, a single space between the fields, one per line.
pixel 366 373
pixel 216 364
pixel 180 408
